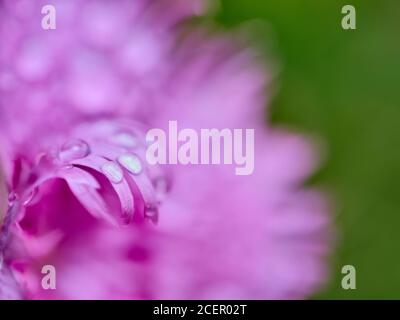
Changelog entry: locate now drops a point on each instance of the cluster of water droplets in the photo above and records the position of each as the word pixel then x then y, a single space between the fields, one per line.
pixel 76 149
pixel 113 170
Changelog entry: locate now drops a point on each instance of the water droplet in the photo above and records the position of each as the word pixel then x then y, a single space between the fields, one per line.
pixel 151 213
pixel 30 197
pixel 131 163
pixel 113 172
pixel 124 139
pixel 73 150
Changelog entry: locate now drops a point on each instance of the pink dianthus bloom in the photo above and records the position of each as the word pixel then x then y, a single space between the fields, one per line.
pixel 75 104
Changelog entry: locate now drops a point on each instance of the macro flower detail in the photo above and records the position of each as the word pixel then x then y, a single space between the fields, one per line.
pixel 76 103
pixel 110 154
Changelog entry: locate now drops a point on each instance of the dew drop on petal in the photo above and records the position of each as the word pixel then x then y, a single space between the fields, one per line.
pixel 113 172
pixel 131 163
pixel 73 150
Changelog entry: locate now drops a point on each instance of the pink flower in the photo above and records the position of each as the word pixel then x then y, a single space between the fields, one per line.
pixel 76 103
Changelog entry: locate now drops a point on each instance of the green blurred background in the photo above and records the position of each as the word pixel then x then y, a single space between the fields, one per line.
pixel 343 85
